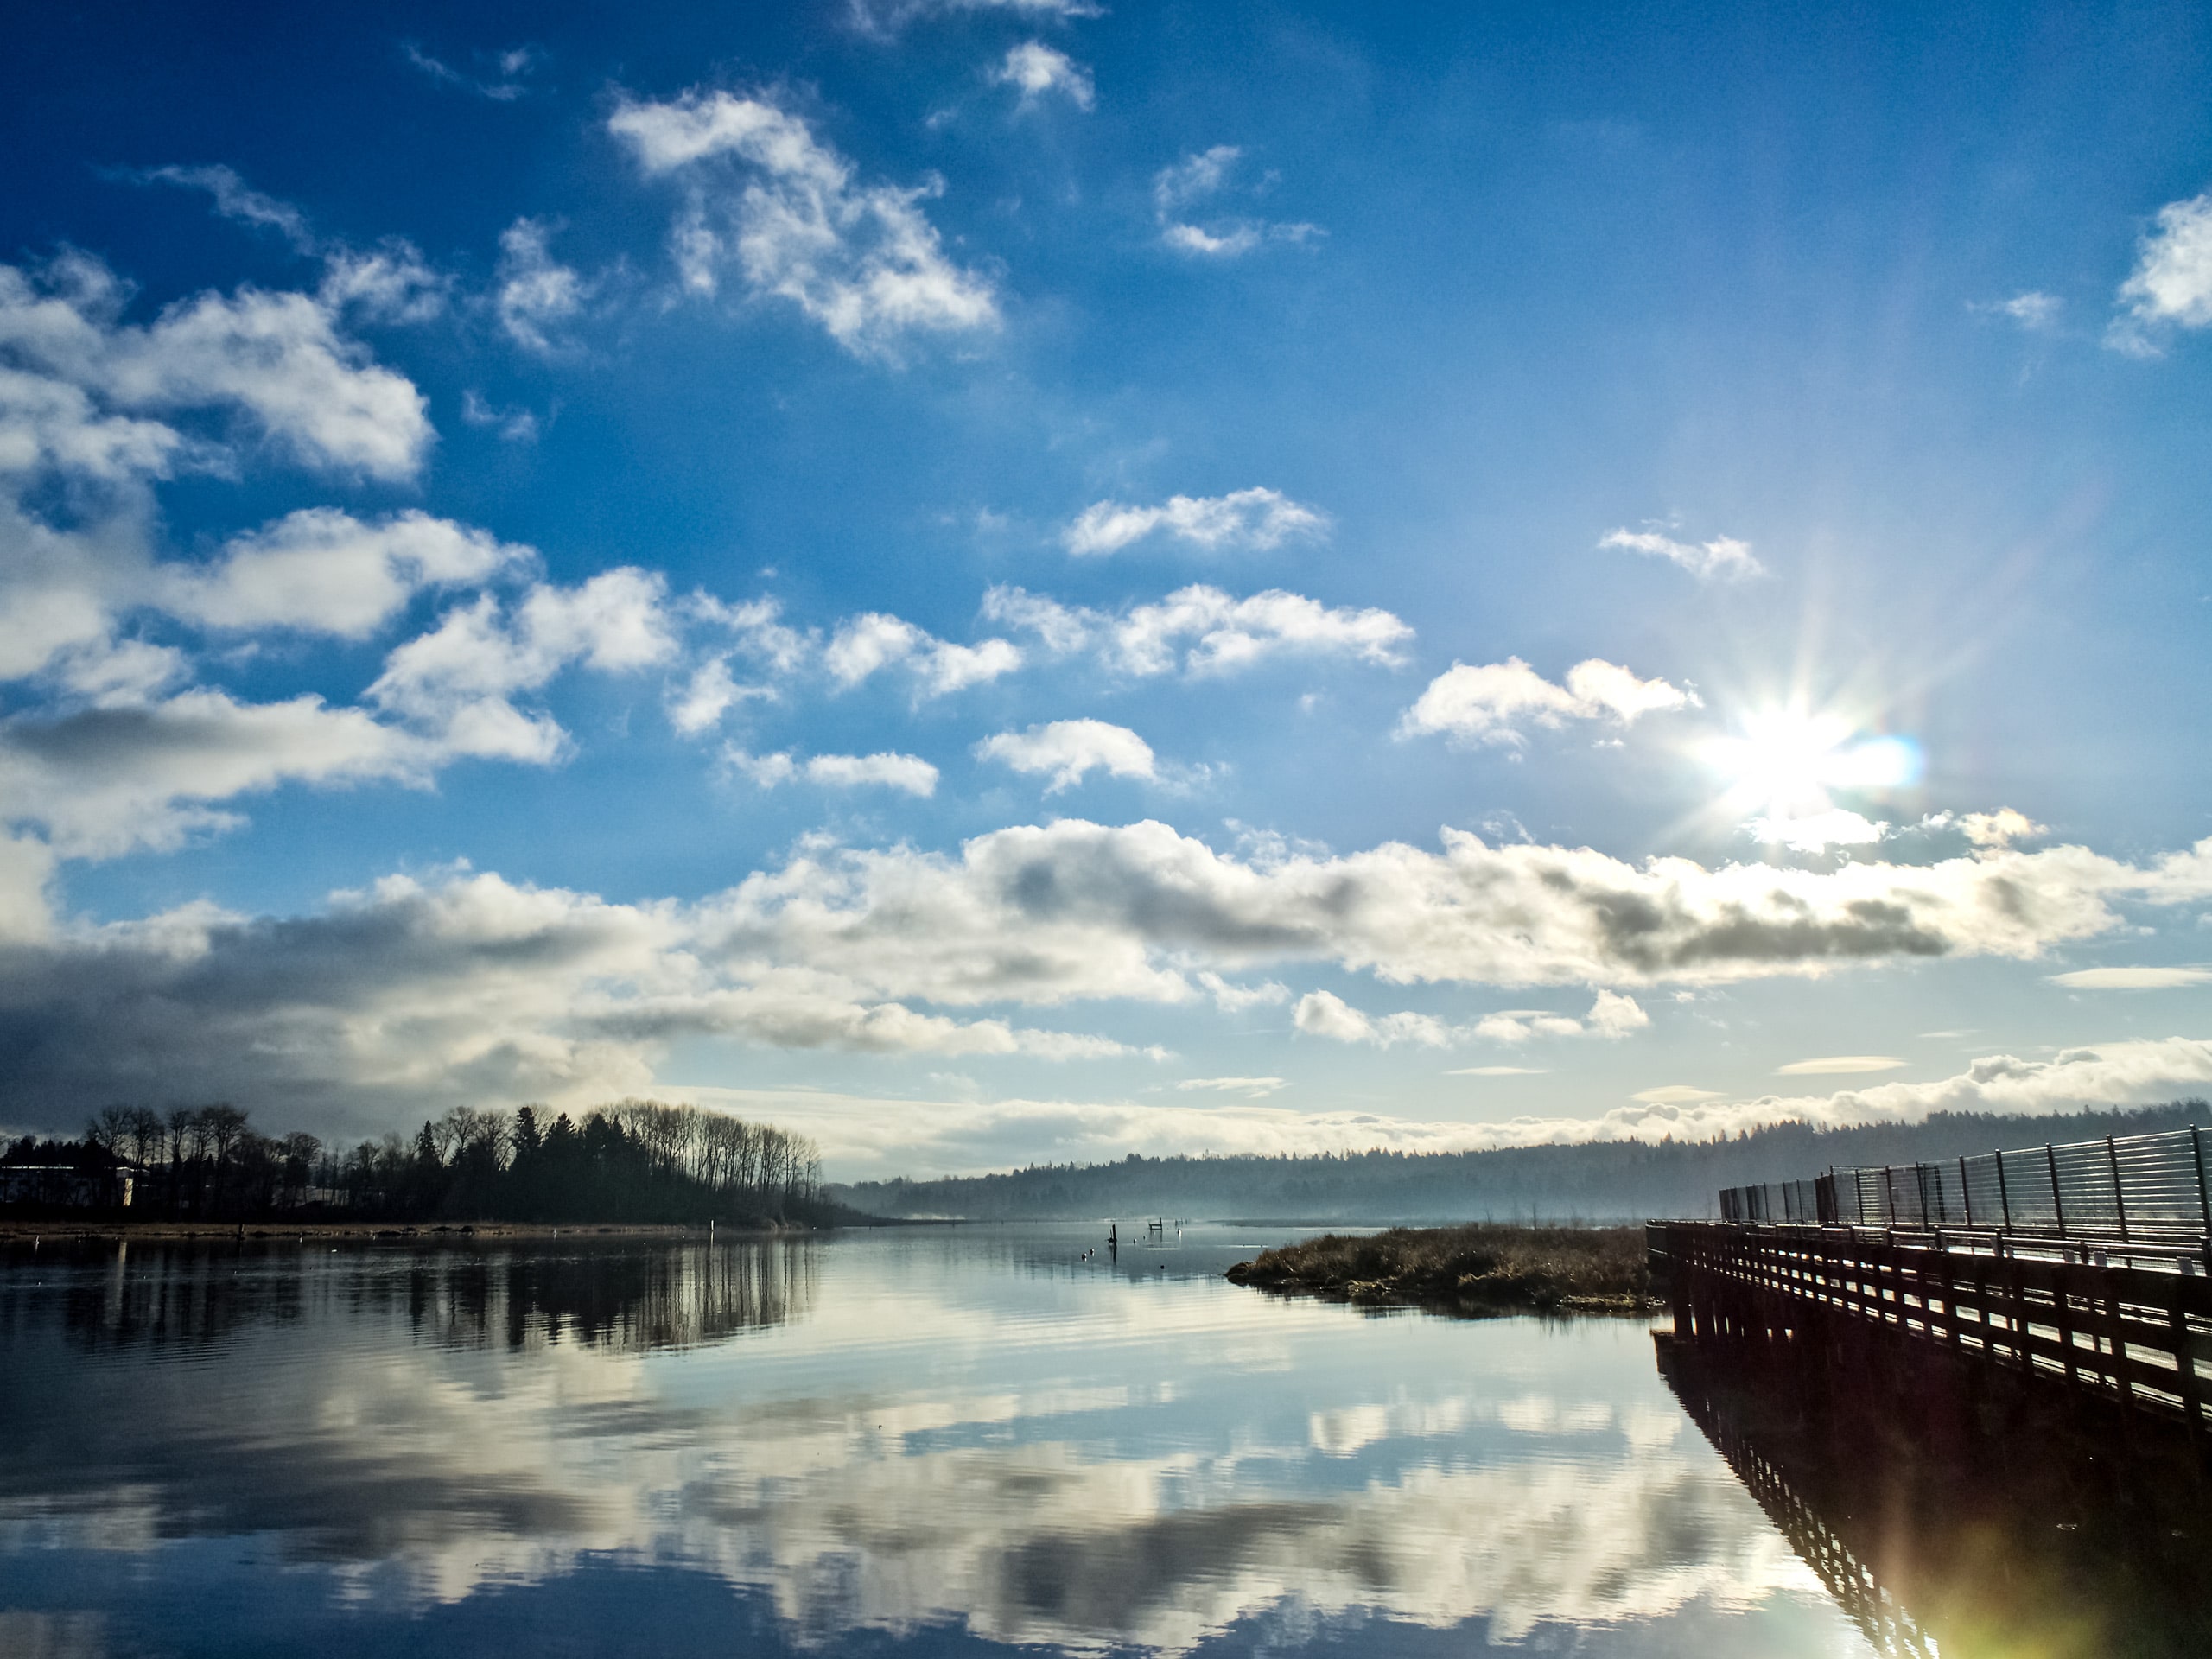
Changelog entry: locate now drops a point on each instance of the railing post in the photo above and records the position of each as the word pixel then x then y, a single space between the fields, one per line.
pixel 2119 1197
pixel 2057 1202
pixel 2197 1156
pixel 2005 1197
pixel 1965 1193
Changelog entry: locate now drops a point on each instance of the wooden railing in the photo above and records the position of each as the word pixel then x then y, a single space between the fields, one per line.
pixel 2135 1333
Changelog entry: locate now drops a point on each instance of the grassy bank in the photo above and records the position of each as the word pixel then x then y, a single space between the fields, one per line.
pixel 1483 1268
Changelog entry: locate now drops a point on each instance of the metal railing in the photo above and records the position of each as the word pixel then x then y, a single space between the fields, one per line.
pixel 2151 1188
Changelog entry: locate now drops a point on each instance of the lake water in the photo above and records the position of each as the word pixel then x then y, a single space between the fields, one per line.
pixel 924 1441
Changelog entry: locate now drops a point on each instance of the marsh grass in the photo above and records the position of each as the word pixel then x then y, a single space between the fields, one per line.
pixel 1483 1267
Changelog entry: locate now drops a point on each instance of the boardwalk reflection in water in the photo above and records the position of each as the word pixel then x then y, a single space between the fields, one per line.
pixel 899 1445
pixel 1952 1514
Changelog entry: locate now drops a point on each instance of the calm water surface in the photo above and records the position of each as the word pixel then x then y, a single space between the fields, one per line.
pixel 912 1442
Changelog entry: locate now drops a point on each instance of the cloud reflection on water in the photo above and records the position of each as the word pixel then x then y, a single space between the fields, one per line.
pixel 1043 1458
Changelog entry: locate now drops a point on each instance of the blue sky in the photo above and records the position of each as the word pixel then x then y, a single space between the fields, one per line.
pixel 1003 582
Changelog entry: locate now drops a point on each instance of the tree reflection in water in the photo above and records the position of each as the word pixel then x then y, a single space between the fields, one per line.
pixel 1955 1512
pixel 621 1293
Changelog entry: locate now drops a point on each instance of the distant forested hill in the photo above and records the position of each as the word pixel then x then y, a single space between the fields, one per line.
pixel 1599 1181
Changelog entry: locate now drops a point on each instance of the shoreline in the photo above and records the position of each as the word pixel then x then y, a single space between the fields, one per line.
pixel 1479 1269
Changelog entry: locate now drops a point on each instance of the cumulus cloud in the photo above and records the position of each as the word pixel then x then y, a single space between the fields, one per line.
pixel 104 781
pixel 323 571
pixel 277 360
pixel 1200 177
pixel 460 681
pixel 2171 284
pixel 1492 704
pixel 1722 559
pixel 1203 630
pixel 390 283
pixel 534 293
pixel 471 987
pixel 1817 832
pixel 1251 1088
pixel 871 643
pixel 1048 913
pixel 767 198
pixel 1038 69
pixel 1256 519
pixel 416 994
pixel 1324 1013
pixel 1069 749
pixel 698 704
pixel 1611 1015
pixel 1235 999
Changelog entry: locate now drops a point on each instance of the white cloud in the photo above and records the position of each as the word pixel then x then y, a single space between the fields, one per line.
pixel 1251 1088
pixel 1049 914
pixel 1611 1015
pixel 104 781
pixel 513 65
pixel 1498 1072
pixel 1491 703
pixel 907 772
pixel 2131 979
pixel 1228 634
pixel 755 625
pixel 1038 69
pixel 1836 1065
pixel 419 994
pixel 1723 558
pixel 2036 312
pixel 471 987
pixel 1818 831
pixel 533 293
pixel 323 571
pixel 1235 999
pixel 1256 519
pixel 1998 829
pixel 391 282
pixel 861 261
pixel 884 18
pixel 699 704
pixel 2172 284
pixel 868 643
pixel 1324 1013
pixel 458 682
pixel 516 425
pixel 1674 1093
pixel 1068 749
pixel 236 199
pixel 277 359
pixel 1198 177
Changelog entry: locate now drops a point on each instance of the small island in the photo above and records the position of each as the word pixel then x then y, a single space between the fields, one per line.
pixel 1484 1267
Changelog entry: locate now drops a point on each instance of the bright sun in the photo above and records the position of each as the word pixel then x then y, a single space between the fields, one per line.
pixel 1786 762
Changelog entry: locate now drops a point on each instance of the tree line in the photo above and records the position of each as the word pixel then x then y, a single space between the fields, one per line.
pixel 635 1160
pixel 1603 1180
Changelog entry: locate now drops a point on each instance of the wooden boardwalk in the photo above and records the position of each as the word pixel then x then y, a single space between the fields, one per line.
pixel 2129 1325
